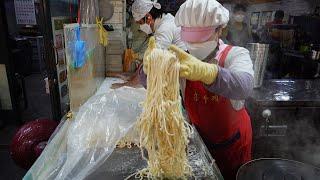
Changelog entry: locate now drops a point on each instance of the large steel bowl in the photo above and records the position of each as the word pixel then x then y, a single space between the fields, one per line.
pixel 277 169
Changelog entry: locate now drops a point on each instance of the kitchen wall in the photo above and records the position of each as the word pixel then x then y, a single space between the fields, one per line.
pixel 290 7
pixel 5 99
pixel 57 8
pixel 61 7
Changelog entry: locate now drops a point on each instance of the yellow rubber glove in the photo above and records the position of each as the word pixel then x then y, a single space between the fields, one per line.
pixel 103 33
pixel 194 69
pixel 151 46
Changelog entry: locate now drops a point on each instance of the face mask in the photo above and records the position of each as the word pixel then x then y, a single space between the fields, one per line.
pixel 239 18
pixel 201 50
pixel 146 28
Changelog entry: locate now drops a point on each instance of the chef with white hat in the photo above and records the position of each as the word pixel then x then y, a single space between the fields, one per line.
pixel 153 20
pixel 219 77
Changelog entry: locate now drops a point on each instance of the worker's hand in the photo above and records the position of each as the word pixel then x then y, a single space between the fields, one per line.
pixel 151 46
pixel 194 69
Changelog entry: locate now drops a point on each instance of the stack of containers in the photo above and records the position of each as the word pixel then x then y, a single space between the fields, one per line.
pixel 117 38
pixel 259 55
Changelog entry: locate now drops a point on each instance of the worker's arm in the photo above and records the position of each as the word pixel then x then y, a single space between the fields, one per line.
pixel 144 67
pixel 161 39
pixel 234 85
pixel 194 69
pixel 142 77
pixel 164 38
pixel 235 80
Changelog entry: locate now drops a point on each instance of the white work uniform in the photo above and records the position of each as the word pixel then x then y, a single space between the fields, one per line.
pixel 237 60
pixel 167 33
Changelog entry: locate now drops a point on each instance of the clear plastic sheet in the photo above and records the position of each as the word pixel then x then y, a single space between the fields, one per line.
pixel 82 144
pixel 83 80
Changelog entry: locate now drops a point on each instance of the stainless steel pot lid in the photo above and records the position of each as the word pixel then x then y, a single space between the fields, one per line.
pixel 277 169
pixel 106 9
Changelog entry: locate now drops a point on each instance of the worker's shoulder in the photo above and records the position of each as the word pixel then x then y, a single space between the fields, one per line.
pixel 238 55
pixel 237 50
pixel 167 24
pixel 239 59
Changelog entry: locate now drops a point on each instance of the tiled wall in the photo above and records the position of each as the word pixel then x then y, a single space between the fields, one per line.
pixel 117 19
pixel 4 89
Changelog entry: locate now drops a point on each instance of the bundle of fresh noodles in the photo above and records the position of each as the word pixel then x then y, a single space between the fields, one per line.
pixel 163 129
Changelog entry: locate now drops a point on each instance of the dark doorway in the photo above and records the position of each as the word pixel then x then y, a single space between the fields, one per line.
pixel 28 73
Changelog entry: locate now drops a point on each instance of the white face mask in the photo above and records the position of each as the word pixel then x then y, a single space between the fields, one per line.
pixel 146 28
pixel 201 50
pixel 239 18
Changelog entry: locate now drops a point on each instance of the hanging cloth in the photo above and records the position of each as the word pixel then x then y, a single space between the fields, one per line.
pixel 103 33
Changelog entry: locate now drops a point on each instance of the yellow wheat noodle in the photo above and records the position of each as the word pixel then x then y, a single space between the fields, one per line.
pixel 163 130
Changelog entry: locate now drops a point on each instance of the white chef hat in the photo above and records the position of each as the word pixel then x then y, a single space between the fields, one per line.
pixel 199 19
pixel 141 7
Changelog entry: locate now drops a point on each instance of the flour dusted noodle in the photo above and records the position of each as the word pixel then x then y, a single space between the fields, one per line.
pixel 163 130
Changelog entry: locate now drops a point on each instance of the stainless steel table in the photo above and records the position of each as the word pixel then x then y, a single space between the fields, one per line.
pixel 123 162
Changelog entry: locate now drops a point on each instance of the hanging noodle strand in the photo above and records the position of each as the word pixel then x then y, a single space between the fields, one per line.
pixel 163 130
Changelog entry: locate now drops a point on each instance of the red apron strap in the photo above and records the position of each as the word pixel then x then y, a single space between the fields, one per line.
pixel 224 55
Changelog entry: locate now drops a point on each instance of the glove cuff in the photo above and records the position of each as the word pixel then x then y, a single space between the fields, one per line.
pixel 211 74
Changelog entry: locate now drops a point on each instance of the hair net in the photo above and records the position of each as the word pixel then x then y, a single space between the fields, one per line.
pixel 141 7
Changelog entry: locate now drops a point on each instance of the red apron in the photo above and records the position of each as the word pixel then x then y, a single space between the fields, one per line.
pixel 226 132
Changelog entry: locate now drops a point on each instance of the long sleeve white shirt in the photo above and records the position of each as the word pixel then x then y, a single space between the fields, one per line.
pixel 167 33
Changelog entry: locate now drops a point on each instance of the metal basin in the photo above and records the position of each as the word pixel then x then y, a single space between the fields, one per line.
pixel 277 169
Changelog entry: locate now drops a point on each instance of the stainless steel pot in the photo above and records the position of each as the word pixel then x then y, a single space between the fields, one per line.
pixel 277 169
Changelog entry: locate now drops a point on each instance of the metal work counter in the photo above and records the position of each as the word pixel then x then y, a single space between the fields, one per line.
pixel 287 93
pixel 285 120
pixel 124 162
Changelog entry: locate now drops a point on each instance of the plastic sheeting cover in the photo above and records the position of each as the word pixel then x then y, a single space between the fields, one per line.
pixel 83 81
pixel 82 144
